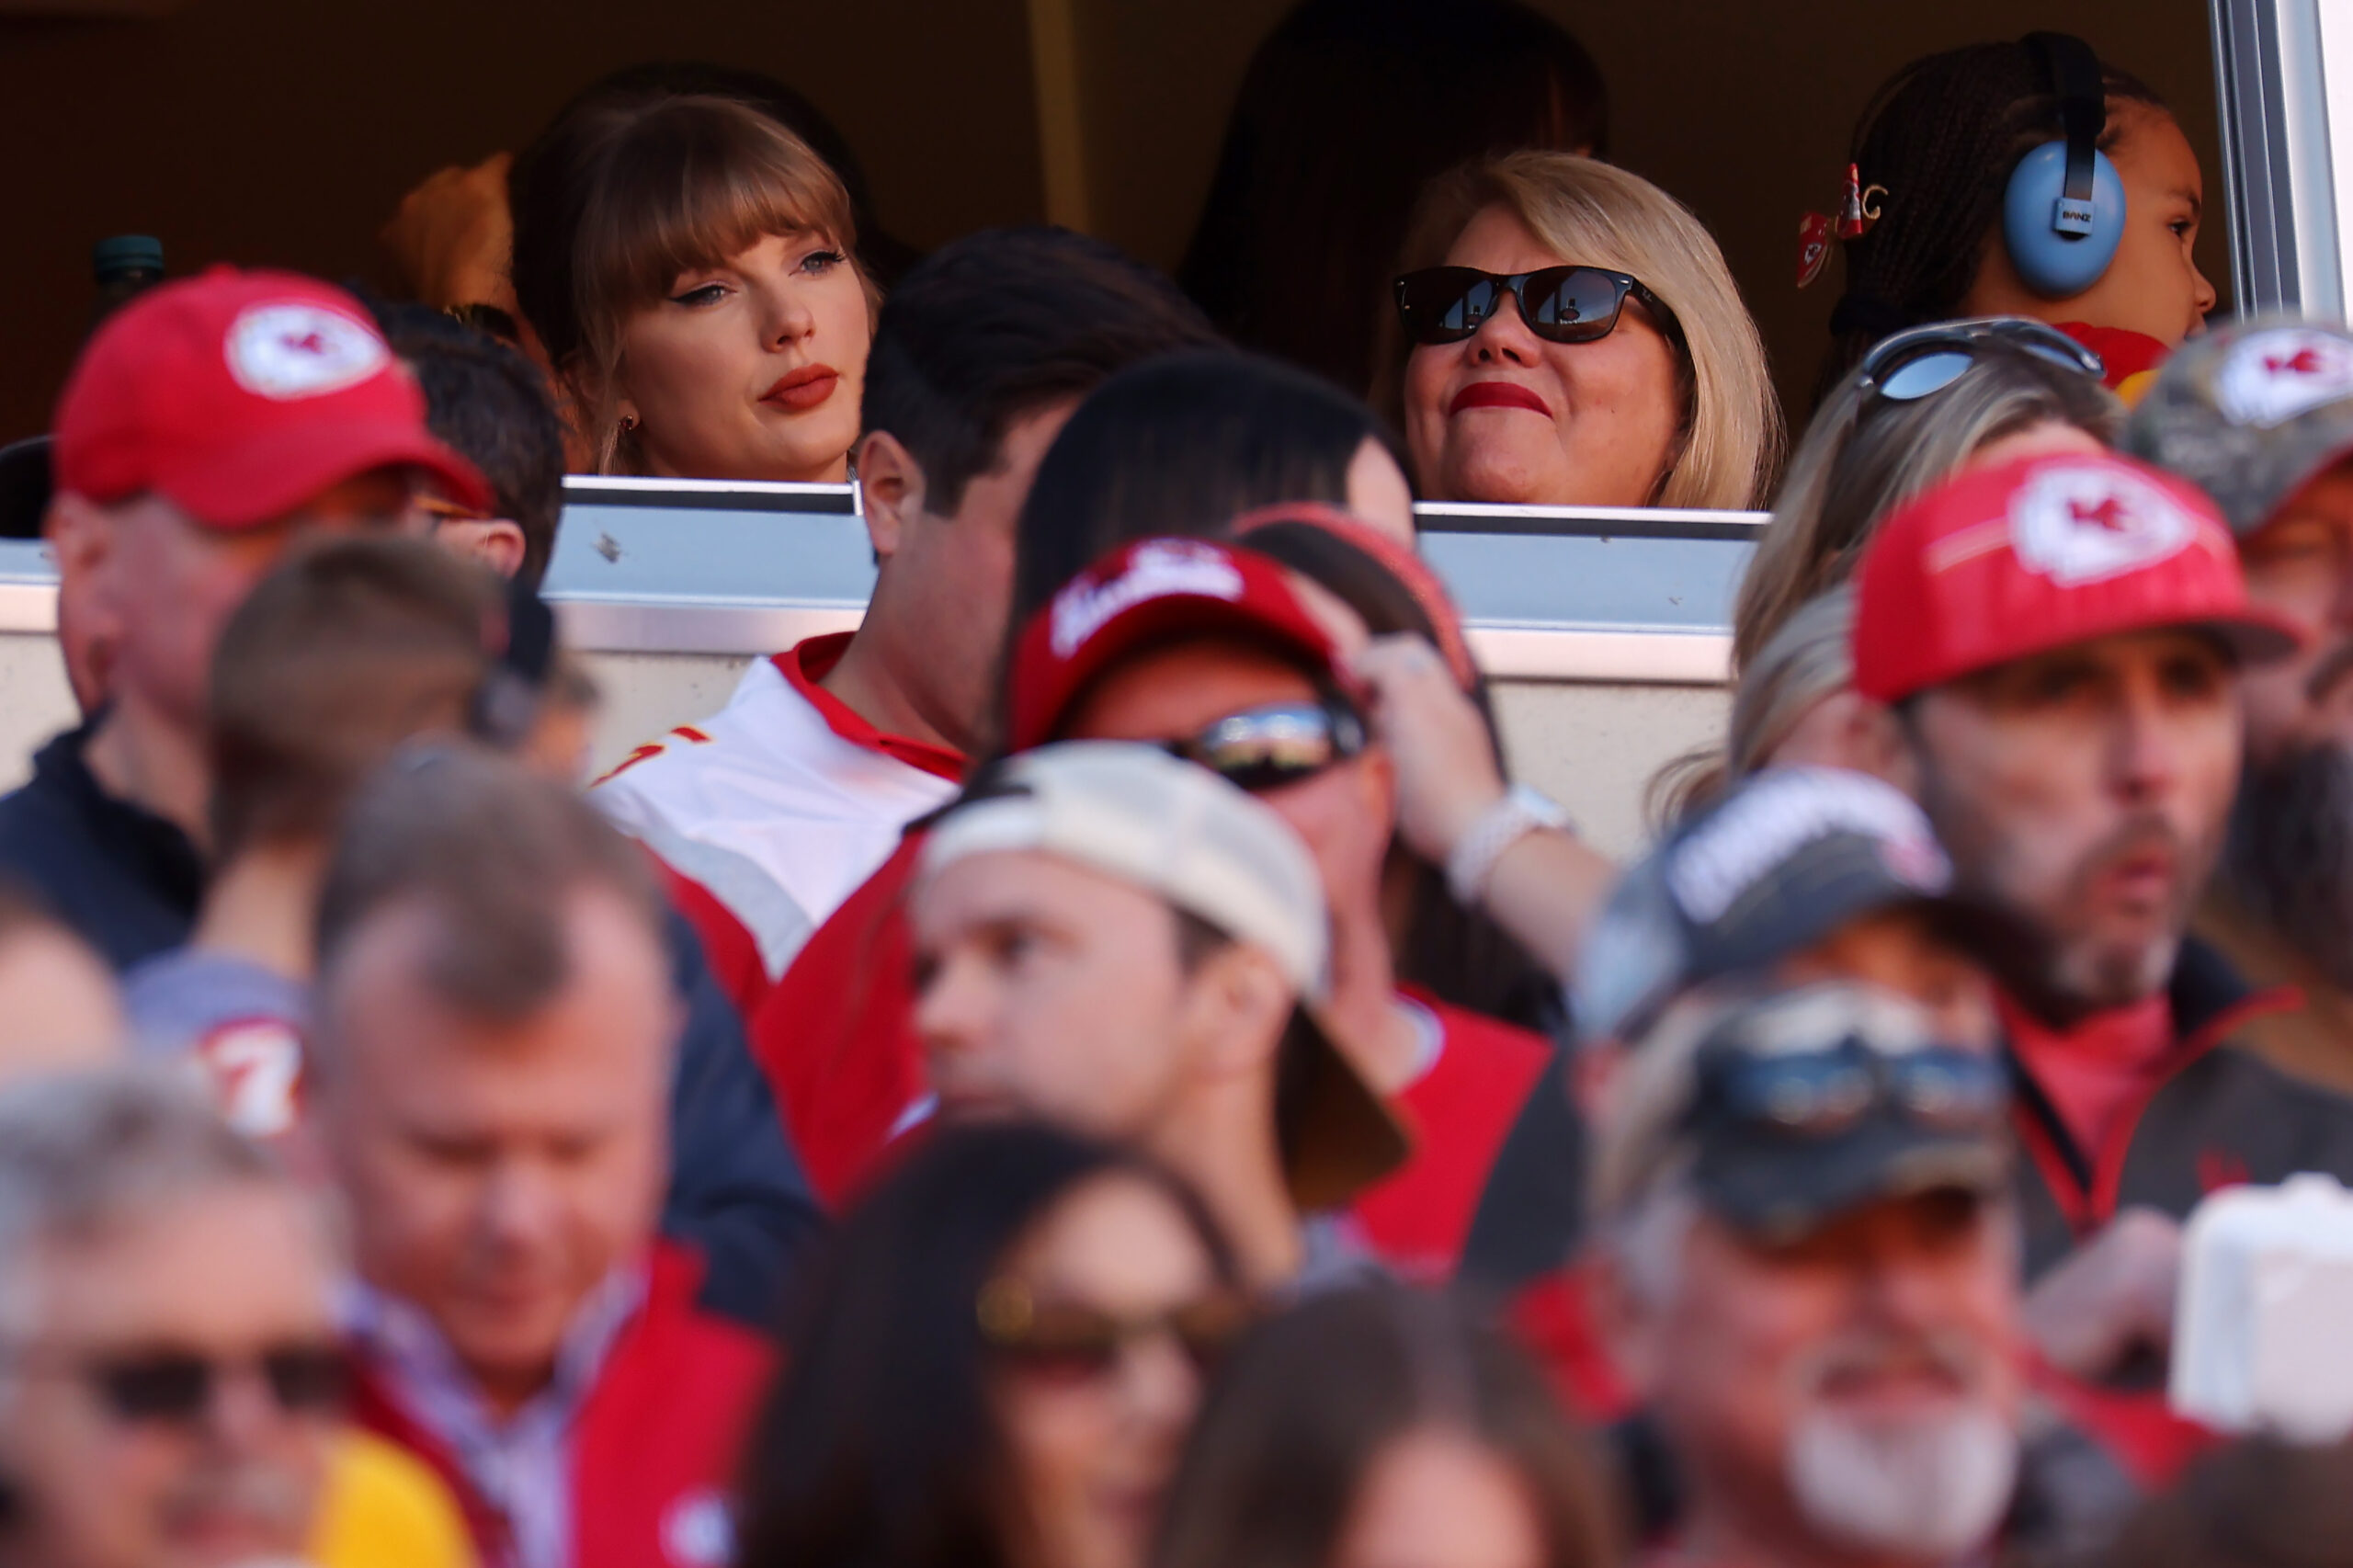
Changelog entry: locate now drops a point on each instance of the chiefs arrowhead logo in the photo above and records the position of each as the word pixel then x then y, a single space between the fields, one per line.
pixel 298 349
pixel 2269 377
pixel 2077 525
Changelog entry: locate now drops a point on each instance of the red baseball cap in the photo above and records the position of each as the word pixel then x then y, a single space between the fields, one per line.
pixel 1156 590
pixel 239 396
pixel 2003 563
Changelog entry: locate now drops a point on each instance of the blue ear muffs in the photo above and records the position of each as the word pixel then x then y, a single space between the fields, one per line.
pixel 2062 215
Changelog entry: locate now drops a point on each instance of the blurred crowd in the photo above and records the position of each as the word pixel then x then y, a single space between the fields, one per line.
pixel 1103 1066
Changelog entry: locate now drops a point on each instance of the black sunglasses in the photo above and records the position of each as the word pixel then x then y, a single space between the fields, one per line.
pixel 1560 304
pixel 1265 748
pixel 1072 1342
pixel 1926 359
pixel 177 1387
pixel 1825 1094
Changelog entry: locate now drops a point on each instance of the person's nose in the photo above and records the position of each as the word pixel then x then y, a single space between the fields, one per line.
pixel 951 1006
pixel 519 1208
pixel 2204 294
pixel 1902 1296
pixel 243 1411
pixel 1159 1387
pixel 1505 337
pixel 2147 745
pixel 786 318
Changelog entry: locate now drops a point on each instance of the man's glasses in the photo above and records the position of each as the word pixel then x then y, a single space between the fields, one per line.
pixel 1912 365
pixel 178 1388
pixel 1069 1342
pixel 1560 304
pixel 1265 748
pixel 1826 1094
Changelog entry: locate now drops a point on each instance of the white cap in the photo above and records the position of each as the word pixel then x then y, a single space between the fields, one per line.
pixel 1139 815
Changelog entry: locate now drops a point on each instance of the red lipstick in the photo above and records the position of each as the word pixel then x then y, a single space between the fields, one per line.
pixel 806 388
pixel 1498 394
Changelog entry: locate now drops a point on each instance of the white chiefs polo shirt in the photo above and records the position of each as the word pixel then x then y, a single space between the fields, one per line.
pixel 774 809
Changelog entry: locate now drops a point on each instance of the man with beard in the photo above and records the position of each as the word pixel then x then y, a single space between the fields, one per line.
pixel 2260 416
pixel 1807 1267
pixel 2059 643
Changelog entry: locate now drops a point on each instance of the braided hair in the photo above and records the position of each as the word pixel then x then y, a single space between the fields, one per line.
pixel 1941 136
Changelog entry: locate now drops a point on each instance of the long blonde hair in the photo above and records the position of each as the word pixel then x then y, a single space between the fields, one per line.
pixel 1863 456
pixel 1599 215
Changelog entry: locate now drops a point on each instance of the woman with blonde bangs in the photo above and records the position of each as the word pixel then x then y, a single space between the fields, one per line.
pixel 689 264
pixel 1626 371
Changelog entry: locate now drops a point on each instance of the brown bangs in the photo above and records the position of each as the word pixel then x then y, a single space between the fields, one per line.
pixel 695 181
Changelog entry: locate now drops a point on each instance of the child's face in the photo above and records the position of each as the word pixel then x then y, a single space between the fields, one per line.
pixel 2153 286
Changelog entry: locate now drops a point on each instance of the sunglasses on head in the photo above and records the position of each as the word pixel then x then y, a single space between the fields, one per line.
pixel 1828 1093
pixel 1071 1342
pixel 1560 304
pixel 1265 748
pixel 1912 365
pixel 178 1388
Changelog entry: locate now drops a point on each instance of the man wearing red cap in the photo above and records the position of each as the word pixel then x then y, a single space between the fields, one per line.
pixel 1203 649
pixel 2059 643
pixel 207 426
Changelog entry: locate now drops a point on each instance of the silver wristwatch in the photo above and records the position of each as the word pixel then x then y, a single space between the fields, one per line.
pixel 1472 861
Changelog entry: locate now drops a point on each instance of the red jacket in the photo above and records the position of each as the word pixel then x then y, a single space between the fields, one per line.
pixel 654 1447
pixel 1460 1111
pixel 835 1034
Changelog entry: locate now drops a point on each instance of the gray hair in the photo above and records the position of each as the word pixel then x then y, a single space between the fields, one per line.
pixel 1863 456
pixel 81 1152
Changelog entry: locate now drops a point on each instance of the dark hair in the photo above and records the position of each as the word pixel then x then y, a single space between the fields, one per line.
pixel 488 401
pixel 342 652
pixel 879 1446
pixel 496 852
pixel 998 326
pixel 1183 446
pixel 1941 135
pixel 1310 1401
pixel 1347 108
pixel 885 258
pixel 1459 954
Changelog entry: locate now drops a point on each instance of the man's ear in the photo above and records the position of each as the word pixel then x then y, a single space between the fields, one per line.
pixel 892 485
pixel 1238 1007
pixel 495 542
pixel 80 536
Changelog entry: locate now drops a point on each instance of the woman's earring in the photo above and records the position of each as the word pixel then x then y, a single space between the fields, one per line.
pixel 629 422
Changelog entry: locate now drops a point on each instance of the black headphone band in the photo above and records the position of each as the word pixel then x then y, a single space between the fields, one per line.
pixel 2076 78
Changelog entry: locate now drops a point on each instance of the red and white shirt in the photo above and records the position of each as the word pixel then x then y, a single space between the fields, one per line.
pixel 771 811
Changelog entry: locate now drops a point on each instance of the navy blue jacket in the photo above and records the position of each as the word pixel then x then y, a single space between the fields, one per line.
pixel 129 882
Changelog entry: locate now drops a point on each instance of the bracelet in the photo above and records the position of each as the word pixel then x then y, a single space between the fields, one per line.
pixel 1472 861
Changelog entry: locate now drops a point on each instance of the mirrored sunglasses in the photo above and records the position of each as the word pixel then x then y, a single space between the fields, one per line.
pixel 1265 748
pixel 1560 304
pixel 1926 359
pixel 1826 1094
